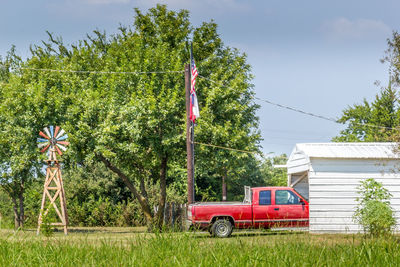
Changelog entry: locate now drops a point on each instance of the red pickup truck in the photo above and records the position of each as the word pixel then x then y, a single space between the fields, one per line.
pixel 263 207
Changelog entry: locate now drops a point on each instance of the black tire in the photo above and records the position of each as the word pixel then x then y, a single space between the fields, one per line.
pixel 221 228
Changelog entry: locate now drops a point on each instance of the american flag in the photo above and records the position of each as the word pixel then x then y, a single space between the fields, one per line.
pixel 194 106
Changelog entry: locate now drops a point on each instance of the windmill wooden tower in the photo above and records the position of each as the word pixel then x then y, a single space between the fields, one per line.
pixel 53 140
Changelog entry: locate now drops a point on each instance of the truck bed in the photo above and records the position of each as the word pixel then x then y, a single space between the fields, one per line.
pixel 220 203
pixel 206 211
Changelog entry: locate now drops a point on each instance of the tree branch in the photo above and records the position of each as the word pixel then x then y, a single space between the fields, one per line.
pixel 142 200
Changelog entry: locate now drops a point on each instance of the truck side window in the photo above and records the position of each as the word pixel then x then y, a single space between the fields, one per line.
pixel 286 197
pixel 264 198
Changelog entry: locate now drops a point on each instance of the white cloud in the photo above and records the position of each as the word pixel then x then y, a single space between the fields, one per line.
pixel 359 29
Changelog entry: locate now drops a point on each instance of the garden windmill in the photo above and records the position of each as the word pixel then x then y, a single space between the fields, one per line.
pixel 53 140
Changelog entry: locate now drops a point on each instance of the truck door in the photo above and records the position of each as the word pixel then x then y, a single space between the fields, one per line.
pixel 262 209
pixel 289 209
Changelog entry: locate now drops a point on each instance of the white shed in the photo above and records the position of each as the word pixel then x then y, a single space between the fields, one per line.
pixel 327 174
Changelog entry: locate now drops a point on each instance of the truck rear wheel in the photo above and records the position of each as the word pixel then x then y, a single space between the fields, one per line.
pixel 221 228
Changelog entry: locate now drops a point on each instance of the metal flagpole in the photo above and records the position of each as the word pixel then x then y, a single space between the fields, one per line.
pixel 192 129
pixel 190 197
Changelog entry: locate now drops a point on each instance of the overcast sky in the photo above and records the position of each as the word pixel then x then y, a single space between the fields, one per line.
pixel 318 56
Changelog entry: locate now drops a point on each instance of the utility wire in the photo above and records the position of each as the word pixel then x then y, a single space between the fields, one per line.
pixel 103 72
pixel 220 84
pixel 297 110
pixel 323 117
pixel 135 73
pixel 305 112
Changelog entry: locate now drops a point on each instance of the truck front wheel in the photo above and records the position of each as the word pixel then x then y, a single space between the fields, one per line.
pixel 221 228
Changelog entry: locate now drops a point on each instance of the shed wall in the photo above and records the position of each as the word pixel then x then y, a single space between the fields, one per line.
pixel 333 189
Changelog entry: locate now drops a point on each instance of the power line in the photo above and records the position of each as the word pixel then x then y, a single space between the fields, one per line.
pixel 134 73
pixel 280 105
pixel 306 112
pixel 216 82
pixel 104 72
pixel 297 110
pixel 323 117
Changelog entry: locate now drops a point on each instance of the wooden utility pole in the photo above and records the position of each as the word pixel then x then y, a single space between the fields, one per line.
pixel 189 139
pixel 223 188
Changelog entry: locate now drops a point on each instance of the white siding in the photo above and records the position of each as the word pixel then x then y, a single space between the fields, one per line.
pixel 333 189
pixel 298 162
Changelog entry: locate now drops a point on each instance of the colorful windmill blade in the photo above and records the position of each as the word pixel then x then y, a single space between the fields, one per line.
pixel 53 138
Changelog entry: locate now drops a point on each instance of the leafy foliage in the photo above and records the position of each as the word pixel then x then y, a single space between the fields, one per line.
pixel 274 176
pixel 373 210
pixel 19 120
pixel 384 111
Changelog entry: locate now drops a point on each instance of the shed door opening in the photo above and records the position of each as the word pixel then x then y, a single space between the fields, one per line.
pixel 299 182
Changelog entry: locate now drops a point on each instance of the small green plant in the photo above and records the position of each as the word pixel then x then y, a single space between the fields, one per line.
pixel 46 227
pixel 373 210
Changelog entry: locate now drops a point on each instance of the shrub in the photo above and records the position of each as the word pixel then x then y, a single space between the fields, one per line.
pixel 373 211
pixel 46 227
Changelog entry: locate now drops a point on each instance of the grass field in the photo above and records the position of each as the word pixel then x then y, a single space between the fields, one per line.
pixel 135 247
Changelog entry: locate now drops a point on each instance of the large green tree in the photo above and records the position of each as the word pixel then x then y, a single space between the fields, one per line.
pixel 128 112
pixel 19 116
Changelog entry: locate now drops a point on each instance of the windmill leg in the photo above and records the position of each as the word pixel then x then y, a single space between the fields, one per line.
pixel 64 199
pixel 43 202
pixel 63 203
pixel 63 214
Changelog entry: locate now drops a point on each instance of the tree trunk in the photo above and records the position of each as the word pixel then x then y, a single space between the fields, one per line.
pixel 21 209
pixel 163 191
pixel 16 192
pixel 143 201
pixel 16 214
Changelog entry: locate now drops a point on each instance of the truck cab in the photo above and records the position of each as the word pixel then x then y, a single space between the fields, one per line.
pixel 279 207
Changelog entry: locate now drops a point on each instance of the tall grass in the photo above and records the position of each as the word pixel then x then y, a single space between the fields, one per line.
pixel 201 250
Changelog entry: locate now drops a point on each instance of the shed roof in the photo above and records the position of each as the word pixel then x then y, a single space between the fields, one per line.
pixel 299 159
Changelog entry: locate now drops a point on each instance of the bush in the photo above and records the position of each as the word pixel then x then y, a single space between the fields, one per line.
pixel 373 211
pixel 95 197
pixel 46 228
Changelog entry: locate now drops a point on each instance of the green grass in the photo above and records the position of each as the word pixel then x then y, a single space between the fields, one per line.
pixel 133 247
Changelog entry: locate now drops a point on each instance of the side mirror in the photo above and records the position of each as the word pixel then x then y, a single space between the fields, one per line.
pixel 302 202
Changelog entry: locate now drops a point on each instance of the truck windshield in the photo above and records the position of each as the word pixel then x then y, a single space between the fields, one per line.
pixel 286 197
